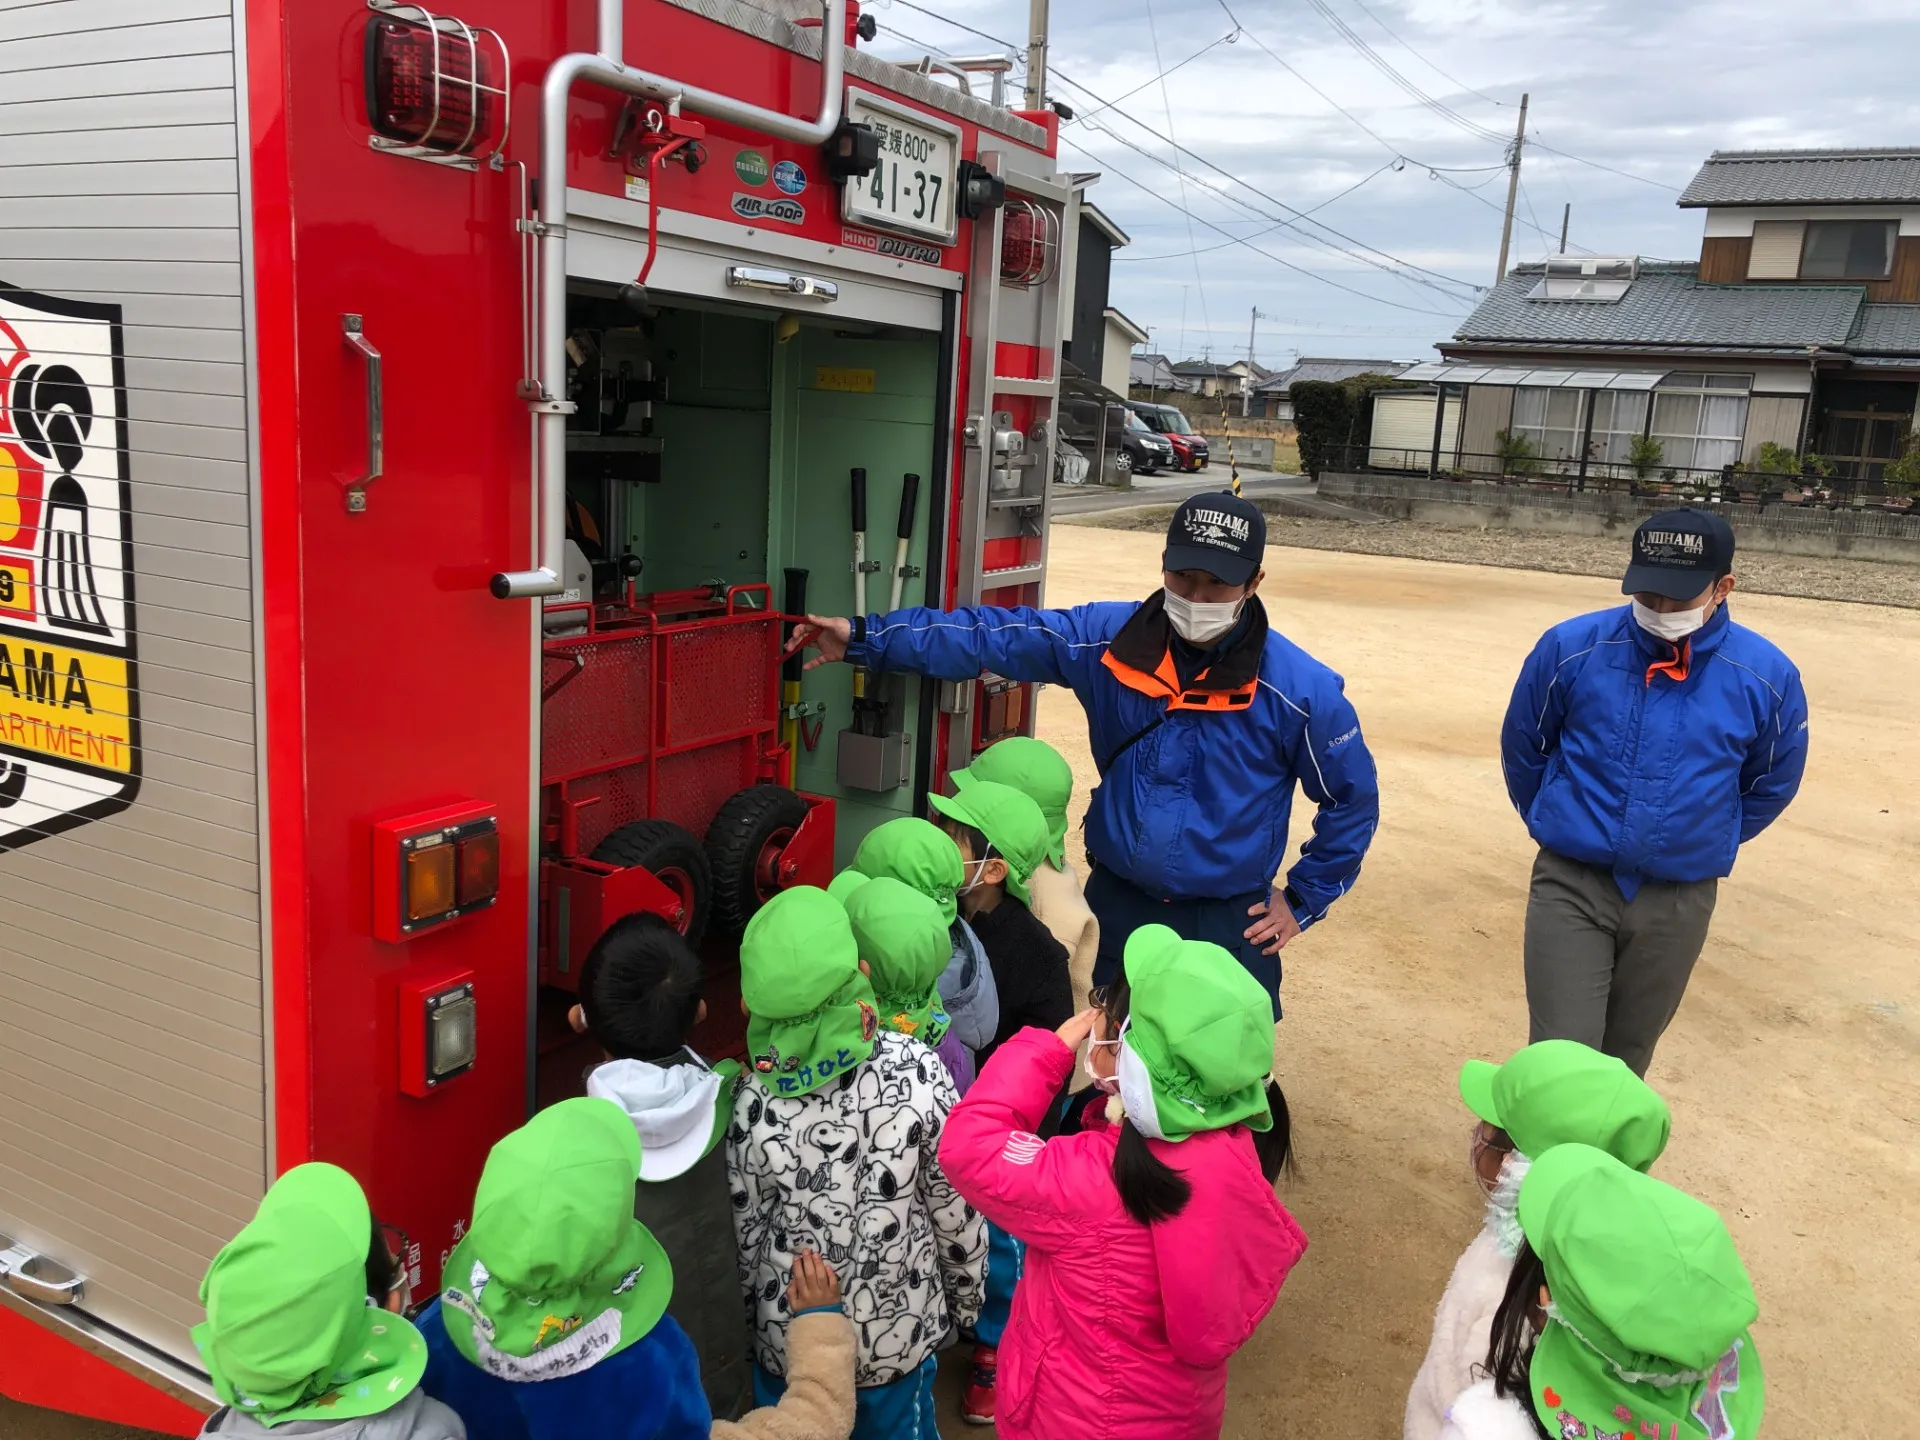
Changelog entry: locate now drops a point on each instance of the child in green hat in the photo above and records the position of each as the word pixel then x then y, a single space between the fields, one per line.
pixel 916 853
pixel 294 1342
pixel 1003 840
pixel 1552 1093
pixel 1042 774
pixel 902 941
pixel 1161 1227
pixel 640 989
pixel 1628 1315
pixel 553 1321
pixel 833 1147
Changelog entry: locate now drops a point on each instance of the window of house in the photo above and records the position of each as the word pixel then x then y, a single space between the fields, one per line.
pixel 1549 420
pixel 1700 420
pixel 1618 416
pixel 1848 250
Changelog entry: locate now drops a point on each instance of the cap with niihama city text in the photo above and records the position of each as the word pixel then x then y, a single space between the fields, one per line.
pixel 1677 554
pixel 1220 533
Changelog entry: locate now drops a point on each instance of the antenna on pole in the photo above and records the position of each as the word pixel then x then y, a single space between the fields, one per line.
pixel 1513 189
pixel 1566 215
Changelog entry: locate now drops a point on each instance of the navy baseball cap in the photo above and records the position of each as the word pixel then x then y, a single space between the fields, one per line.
pixel 1220 533
pixel 1678 554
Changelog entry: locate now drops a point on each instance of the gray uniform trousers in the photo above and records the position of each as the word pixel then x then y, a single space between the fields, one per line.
pixel 1602 969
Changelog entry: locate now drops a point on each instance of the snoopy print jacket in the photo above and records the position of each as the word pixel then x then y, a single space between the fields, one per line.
pixel 852 1170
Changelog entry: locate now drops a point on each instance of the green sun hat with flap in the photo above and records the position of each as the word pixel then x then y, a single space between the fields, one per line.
pixel 1036 770
pixel 844 884
pixel 555 1274
pixel 289 1334
pixel 905 943
pixel 1560 1092
pixel 917 853
pixel 1197 1047
pixel 1648 1326
pixel 1011 822
pixel 810 1012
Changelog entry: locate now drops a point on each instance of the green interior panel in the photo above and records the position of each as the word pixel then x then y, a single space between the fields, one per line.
pixel 821 434
pixel 707 518
pixel 760 436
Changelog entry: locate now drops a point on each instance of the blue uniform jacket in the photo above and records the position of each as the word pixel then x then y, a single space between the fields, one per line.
pixel 649 1391
pixel 1614 762
pixel 1197 808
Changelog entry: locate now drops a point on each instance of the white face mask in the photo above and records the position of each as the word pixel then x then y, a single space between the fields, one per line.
pixel 1199 623
pixel 1672 626
pixel 979 869
pixel 1105 1084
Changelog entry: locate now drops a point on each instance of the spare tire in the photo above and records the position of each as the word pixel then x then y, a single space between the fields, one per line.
pixel 744 845
pixel 676 859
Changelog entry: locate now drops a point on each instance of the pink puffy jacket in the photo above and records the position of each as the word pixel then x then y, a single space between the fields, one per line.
pixel 1118 1329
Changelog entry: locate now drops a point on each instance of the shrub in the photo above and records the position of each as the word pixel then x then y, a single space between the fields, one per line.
pixel 1775 459
pixel 1515 453
pixel 1333 416
pixel 1645 454
pixel 1903 475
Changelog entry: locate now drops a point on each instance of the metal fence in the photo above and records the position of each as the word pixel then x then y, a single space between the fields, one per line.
pixel 1738 482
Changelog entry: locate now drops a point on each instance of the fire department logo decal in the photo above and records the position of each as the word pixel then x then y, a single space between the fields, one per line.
pixel 69 711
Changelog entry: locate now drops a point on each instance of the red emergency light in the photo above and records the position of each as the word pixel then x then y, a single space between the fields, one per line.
pixel 434 85
pixel 432 868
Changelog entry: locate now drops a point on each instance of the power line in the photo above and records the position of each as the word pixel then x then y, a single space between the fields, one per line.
pixel 1277 225
pixel 1582 160
pixel 1019 51
pixel 1425 61
pixel 1161 78
pixel 1166 102
pixel 1237 240
pixel 1379 62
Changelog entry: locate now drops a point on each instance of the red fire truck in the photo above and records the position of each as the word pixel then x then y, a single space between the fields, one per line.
pixel 416 430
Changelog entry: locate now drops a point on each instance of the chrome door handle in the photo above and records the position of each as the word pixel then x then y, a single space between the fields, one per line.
pixel 376 418
pixel 34 1276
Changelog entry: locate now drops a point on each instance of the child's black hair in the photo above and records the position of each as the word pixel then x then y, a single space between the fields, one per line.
pixel 1151 1189
pixel 383 1266
pixel 978 846
pixel 1510 1343
pixel 640 989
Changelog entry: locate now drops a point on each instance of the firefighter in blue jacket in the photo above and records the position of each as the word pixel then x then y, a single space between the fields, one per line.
pixel 1202 719
pixel 1643 746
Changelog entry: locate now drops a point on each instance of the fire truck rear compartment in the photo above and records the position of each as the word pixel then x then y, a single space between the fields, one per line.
pixel 713 448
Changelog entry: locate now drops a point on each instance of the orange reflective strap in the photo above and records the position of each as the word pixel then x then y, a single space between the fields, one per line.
pixel 1676 668
pixel 1164 683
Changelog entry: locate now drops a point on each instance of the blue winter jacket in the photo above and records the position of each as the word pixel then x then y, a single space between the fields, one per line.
pixel 649 1391
pixel 1198 807
pixel 1613 761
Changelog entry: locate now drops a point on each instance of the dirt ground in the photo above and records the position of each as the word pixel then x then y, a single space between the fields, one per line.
pixel 1791 1069
pixel 1869 582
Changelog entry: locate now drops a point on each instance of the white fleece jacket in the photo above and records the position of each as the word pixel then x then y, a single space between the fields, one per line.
pixel 1479 1414
pixel 1463 1321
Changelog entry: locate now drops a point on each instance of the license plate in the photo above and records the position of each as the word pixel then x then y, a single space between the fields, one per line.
pixel 911 189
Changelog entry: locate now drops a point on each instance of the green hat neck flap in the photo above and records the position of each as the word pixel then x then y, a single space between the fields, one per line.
pixel 810 1012
pixel 289 1334
pixel 1011 822
pixel 906 947
pixel 555 1274
pixel 1560 1092
pixel 1036 770
pixel 1648 1325
pixel 916 853
pixel 1198 1042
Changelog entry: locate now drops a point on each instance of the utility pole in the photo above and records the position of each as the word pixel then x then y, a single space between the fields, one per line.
pixel 1565 216
pixel 1246 395
pixel 1513 186
pixel 1036 96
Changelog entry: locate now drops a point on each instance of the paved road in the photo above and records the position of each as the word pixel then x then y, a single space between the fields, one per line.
pixel 1171 489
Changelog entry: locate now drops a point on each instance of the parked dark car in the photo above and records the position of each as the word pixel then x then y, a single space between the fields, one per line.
pixel 1189 447
pixel 1143 449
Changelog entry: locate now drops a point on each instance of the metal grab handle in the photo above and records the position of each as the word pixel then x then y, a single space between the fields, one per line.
pixel 33 1276
pixel 376 415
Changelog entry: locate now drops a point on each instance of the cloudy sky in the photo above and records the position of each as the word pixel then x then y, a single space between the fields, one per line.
pixel 1411 176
